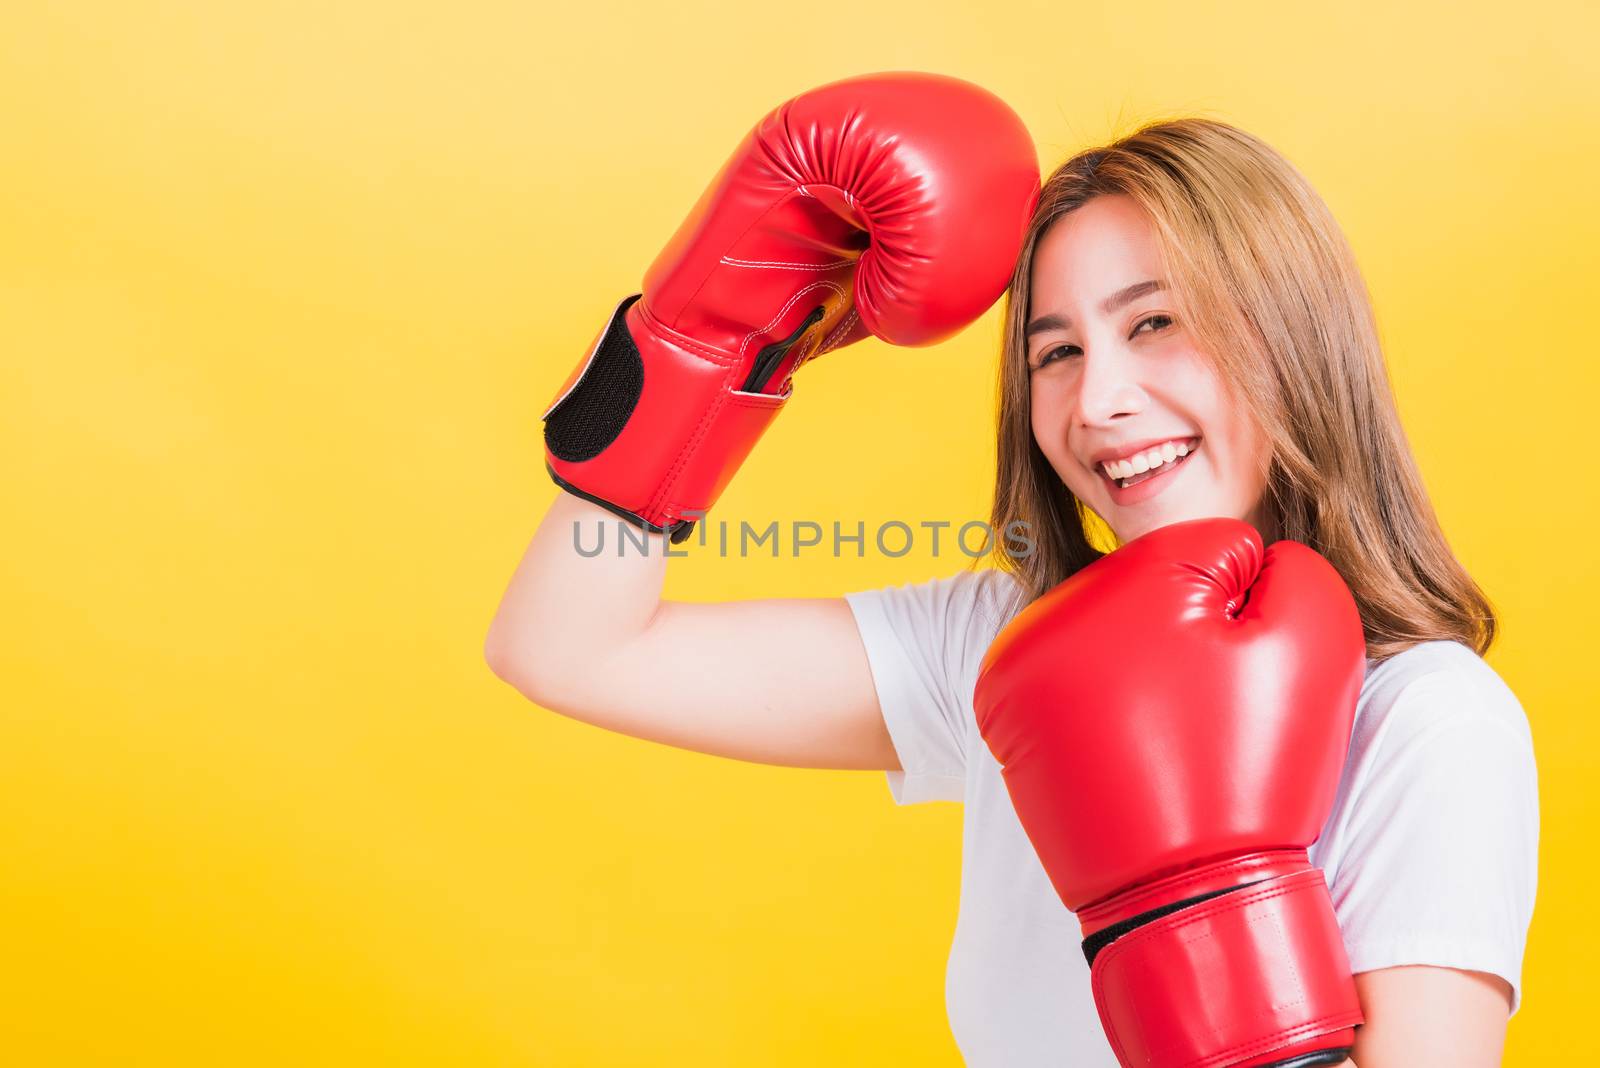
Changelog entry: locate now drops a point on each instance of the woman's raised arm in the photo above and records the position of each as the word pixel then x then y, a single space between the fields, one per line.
pixel 780 681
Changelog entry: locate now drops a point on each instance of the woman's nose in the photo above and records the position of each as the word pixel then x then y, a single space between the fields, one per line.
pixel 1108 387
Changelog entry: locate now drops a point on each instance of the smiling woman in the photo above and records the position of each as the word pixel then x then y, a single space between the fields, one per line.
pixel 1188 336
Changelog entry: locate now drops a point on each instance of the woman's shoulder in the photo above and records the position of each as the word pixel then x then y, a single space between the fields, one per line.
pixel 935 632
pixel 987 597
pixel 1432 687
pixel 995 595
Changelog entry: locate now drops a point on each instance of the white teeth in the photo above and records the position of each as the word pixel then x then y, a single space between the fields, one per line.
pixel 1138 464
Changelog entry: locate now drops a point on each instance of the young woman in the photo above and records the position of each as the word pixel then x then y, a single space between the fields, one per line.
pixel 1187 336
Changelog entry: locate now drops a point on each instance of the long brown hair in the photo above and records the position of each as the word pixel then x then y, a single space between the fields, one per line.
pixel 1270 291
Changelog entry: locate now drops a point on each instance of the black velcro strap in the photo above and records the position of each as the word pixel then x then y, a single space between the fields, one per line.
pixel 591 416
pixel 1103 938
pixel 1315 1059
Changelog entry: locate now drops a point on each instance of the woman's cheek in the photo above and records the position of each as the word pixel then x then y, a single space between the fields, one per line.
pixel 1051 439
pixel 1041 418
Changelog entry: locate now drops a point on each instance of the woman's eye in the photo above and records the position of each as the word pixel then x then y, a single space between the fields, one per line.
pixel 1161 322
pixel 1050 355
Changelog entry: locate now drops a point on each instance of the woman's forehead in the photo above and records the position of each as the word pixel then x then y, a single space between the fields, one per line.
pixel 1092 254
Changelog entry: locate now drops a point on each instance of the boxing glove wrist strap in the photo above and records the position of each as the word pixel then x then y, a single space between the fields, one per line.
pixel 654 425
pixel 1248 975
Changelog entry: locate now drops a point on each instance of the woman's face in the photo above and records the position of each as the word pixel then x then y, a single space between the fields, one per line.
pixel 1115 375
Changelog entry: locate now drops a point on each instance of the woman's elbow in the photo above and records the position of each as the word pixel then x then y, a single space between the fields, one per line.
pixel 513 662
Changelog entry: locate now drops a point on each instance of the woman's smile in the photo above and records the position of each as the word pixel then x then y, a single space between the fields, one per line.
pixel 1132 486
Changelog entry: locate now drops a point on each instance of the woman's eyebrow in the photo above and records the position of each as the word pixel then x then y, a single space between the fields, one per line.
pixel 1125 295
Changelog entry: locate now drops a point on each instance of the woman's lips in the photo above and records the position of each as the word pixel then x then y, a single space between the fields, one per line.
pixel 1146 484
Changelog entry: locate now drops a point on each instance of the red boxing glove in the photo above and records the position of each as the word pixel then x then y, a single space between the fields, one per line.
pixel 890 204
pixel 1172 721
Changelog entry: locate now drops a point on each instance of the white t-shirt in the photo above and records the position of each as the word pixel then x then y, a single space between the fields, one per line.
pixel 1430 851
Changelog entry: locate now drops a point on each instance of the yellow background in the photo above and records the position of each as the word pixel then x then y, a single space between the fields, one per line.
pixel 283 290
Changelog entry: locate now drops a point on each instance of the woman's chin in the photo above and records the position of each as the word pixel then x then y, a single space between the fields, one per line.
pixel 1128 524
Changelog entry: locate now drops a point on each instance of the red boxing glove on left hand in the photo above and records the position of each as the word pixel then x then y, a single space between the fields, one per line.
pixel 1172 722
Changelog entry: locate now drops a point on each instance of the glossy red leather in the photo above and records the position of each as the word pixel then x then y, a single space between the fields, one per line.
pixel 1171 722
pixel 894 202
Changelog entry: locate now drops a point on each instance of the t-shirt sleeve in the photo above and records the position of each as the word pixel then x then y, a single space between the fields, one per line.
pixel 1441 851
pixel 924 643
